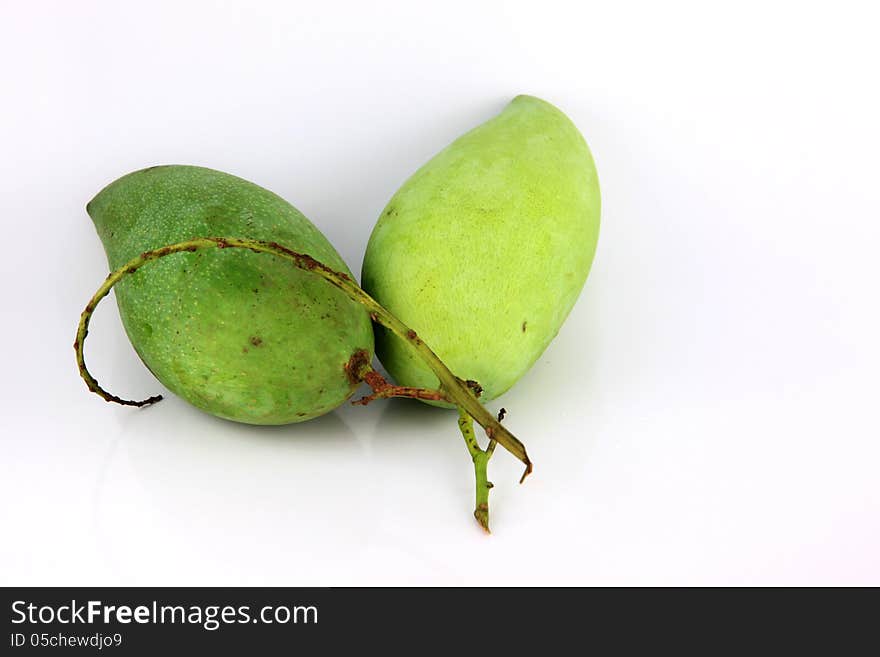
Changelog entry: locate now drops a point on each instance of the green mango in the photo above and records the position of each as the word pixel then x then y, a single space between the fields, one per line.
pixel 244 336
pixel 485 249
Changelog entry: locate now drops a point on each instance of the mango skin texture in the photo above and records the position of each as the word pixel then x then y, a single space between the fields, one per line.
pixel 485 249
pixel 241 335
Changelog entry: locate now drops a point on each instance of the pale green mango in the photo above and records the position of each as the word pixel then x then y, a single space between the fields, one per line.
pixel 244 336
pixel 485 249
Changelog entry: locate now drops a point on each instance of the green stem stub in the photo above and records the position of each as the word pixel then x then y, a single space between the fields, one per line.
pixel 481 461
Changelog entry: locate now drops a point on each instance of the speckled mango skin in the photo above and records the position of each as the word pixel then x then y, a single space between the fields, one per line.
pixel 241 335
pixel 485 249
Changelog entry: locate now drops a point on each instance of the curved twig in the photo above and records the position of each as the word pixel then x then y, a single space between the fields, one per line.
pixel 457 391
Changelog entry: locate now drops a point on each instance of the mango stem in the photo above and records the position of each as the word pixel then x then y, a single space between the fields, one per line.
pixel 382 389
pixel 459 392
pixel 481 461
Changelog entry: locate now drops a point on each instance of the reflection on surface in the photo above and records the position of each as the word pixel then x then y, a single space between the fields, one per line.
pixel 206 490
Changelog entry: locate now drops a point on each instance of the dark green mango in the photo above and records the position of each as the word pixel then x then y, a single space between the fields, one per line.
pixel 241 335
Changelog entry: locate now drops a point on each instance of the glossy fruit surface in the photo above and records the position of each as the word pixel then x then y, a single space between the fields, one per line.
pixel 485 249
pixel 241 335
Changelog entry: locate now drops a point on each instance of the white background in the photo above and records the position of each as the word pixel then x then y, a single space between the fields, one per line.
pixel 708 414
